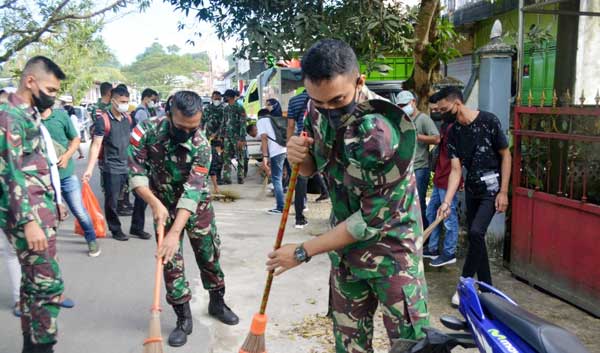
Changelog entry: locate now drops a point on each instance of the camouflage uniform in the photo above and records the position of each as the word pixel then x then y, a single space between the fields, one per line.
pixel 26 195
pixel 212 121
pixel 98 108
pixel 367 161
pixel 233 131
pixel 177 175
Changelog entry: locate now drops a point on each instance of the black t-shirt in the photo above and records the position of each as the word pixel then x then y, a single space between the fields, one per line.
pixel 115 145
pixel 477 145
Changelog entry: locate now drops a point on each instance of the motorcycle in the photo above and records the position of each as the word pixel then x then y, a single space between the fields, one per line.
pixel 493 323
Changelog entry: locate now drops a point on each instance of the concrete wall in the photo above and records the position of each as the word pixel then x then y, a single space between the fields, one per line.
pixel 588 66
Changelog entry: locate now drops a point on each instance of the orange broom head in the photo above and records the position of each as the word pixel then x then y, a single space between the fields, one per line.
pixel 255 342
pixel 259 324
pixel 154 344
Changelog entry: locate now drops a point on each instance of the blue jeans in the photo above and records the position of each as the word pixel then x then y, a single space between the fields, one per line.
pixel 276 176
pixel 423 176
pixel 71 192
pixel 451 223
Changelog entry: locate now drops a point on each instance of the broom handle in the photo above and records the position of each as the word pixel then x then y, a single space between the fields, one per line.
pixel 160 232
pixel 430 229
pixel 282 223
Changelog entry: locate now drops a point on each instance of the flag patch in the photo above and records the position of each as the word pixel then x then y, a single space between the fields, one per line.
pixel 201 170
pixel 136 135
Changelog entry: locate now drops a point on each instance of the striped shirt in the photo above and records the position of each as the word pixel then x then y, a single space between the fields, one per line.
pixel 296 110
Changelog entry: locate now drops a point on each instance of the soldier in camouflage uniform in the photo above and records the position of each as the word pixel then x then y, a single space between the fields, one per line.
pixel 364 146
pixel 212 120
pixel 28 213
pixel 234 133
pixel 103 103
pixel 169 160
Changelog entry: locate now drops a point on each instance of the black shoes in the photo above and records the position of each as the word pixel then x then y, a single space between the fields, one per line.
pixel 125 212
pixel 183 327
pixel 140 234
pixel 30 347
pixel 219 310
pixel 119 235
pixel 322 197
pixel 240 180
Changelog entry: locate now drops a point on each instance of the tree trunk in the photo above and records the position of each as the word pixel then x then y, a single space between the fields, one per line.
pixel 424 30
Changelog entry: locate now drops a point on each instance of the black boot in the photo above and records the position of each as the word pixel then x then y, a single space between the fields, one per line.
pixel 219 310
pixel 44 348
pixel 30 347
pixel 27 344
pixel 184 325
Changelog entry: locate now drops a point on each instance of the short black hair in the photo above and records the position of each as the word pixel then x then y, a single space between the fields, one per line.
pixel 451 93
pixel 329 58
pixel 263 112
pixel 47 65
pixel 219 143
pixel 120 90
pixel 187 102
pixel 105 88
pixel 250 127
pixel 434 98
pixel 229 93
pixel 149 92
pixel 216 92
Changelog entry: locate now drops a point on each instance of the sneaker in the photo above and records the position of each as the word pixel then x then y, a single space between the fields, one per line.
pixel 93 249
pixel 301 224
pixel 305 209
pixel 275 211
pixel 428 254
pixel 17 310
pixel 443 260
pixel 322 197
pixel 119 235
pixel 455 300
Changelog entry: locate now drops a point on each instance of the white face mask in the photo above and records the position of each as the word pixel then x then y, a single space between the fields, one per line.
pixel 217 102
pixel 123 108
pixel 151 104
pixel 408 109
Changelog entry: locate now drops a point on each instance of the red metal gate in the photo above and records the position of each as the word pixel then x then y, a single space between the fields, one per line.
pixel 555 237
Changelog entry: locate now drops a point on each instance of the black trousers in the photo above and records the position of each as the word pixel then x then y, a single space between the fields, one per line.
pixel 300 197
pixel 113 184
pixel 139 214
pixel 480 211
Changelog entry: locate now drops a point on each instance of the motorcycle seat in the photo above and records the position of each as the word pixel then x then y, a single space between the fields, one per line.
pixel 540 334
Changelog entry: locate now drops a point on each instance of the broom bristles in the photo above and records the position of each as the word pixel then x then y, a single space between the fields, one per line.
pixel 254 344
pixel 231 194
pixel 154 342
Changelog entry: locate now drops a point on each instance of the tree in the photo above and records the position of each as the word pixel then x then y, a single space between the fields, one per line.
pixel 165 70
pixel 22 25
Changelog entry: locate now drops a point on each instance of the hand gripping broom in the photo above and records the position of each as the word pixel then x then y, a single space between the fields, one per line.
pixel 154 342
pixel 255 342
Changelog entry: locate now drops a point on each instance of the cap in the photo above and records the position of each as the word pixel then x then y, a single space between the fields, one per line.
pixel 66 98
pixel 404 97
pixel 8 89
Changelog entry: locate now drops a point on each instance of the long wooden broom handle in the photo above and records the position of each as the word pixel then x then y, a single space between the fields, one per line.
pixel 160 232
pixel 430 229
pixel 281 231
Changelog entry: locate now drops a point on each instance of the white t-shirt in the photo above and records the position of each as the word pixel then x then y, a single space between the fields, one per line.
pixel 264 127
pixel 75 122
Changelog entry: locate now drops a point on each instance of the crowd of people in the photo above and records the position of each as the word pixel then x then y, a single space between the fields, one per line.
pixel 373 159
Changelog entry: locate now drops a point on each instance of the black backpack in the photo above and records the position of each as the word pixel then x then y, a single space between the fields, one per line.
pixel 280 128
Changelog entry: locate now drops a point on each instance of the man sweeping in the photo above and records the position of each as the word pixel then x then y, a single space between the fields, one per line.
pixel 365 149
pixel 169 159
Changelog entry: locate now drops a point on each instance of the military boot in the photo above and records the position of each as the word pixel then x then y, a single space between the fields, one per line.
pixel 27 344
pixel 183 327
pixel 219 310
pixel 44 348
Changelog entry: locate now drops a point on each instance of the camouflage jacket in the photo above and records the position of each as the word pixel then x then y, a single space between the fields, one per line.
pixel 212 120
pixel 26 192
pixel 176 174
pixel 98 108
pixel 234 123
pixel 368 161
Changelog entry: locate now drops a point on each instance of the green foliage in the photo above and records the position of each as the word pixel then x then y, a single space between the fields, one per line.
pixel 442 49
pixel 286 28
pixel 164 69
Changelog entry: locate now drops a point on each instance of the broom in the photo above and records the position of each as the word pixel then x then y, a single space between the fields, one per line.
pixel 255 341
pixel 153 344
pixel 262 193
pixel 430 229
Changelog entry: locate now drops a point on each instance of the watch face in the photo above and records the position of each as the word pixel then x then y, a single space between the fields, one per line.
pixel 300 254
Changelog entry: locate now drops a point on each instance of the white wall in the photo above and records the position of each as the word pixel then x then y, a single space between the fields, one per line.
pixel 588 52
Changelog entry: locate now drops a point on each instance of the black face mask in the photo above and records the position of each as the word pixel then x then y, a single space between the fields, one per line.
pixel 180 136
pixel 43 101
pixel 449 116
pixel 335 115
pixel 436 116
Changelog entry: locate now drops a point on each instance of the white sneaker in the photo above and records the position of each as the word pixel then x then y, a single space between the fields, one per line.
pixel 455 300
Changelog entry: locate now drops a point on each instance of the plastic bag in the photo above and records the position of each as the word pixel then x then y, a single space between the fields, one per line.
pixel 93 207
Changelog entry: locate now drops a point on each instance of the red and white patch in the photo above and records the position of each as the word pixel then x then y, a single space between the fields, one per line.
pixel 136 135
pixel 201 170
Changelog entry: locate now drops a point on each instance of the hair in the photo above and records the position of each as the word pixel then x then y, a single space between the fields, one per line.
pixel 451 93
pixel 216 92
pixel 263 112
pixel 120 90
pixel 149 92
pixel 250 127
pixel 276 107
pixel 219 143
pixel 327 59
pixel 69 109
pixel 187 103
pixel 229 94
pixel 434 98
pixel 105 88
pixel 46 65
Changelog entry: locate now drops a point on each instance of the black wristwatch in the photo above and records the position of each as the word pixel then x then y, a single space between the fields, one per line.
pixel 300 254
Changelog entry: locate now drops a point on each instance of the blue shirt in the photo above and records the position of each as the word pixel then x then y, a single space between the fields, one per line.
pixel 296 110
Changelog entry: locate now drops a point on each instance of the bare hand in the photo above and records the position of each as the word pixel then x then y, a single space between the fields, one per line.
pixel 444 210
pixel 62 212
pixel 169 247
pixel 265 166
pixel 87 175
pixel 241 144
pixel 35 236
pixel 282 259
pixel 160 213
pixel 63 161
pixel 297 148
pixel 501 202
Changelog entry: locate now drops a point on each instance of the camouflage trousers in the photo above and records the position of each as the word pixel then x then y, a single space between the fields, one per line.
pixel 354 301
pixel 232 151
pixel 202 233
pixel 41 287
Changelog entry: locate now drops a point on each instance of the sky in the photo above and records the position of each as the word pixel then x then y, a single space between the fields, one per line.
pixel 129 35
